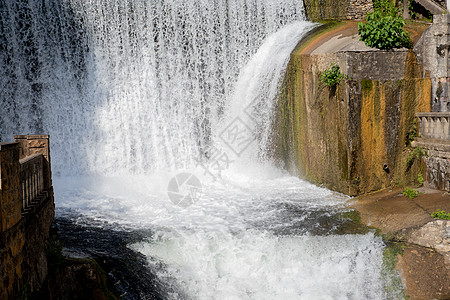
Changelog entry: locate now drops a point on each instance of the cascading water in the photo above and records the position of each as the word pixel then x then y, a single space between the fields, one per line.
pixel 134 92
pixel 141 81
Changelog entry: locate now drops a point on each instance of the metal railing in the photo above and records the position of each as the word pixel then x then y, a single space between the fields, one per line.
pixel 32 181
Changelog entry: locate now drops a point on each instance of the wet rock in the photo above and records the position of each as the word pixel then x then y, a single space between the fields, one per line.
pixel 424 273
pixel 434 234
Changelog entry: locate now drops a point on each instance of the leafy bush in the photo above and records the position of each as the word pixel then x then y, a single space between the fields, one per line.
pixel 410 193
pixel 441 214
pixel 384 28
pixel 332 76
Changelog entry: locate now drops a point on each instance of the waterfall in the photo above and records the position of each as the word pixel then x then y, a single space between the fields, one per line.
pixel 129 86
pixel 133 92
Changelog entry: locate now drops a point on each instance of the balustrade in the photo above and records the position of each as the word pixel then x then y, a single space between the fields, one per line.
pixel 434 125
pixel 32 185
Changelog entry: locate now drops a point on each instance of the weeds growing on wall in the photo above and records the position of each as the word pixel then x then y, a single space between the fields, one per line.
pixel 441 214
pixel 417 153
pixel 384 27
pixel 412 134
pixel 332 76
pixel 410 193
pixel 420 179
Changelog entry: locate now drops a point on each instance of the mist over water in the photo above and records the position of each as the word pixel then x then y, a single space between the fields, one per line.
pixel 134 93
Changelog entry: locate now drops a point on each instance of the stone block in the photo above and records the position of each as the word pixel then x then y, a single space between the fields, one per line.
pixel 37 143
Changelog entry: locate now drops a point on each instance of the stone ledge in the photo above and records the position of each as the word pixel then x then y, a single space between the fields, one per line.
pixel 433 114
pixel 432 144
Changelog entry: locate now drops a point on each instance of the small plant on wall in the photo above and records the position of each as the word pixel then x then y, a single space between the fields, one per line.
pixel 384 28
pixel 332 76
pixel 441 214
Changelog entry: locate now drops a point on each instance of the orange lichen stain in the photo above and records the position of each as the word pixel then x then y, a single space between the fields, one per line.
pixel 373 149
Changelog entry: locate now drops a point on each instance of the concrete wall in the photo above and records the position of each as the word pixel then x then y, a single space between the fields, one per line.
pixel 351 138
pixel 317 10
pixel 23 236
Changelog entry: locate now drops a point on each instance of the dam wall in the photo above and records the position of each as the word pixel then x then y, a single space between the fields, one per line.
pixel 354 137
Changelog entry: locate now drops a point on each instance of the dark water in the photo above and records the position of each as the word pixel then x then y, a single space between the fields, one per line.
pixel 127 270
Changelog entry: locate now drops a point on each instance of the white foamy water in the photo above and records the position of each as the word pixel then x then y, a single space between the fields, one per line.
pixel 135 92
pixel 251 239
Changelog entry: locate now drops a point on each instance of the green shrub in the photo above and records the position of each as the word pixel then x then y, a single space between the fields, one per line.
pixel 410 193
pixel 331 76
pixel 441 214
pixel 384 28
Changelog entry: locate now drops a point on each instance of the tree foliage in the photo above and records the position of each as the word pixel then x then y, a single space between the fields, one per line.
pixel 384 28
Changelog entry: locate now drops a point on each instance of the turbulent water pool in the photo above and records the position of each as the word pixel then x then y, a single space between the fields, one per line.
pixel 269 237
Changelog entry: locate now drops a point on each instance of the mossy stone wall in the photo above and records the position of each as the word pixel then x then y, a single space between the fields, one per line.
pixel 351 138
pixel 318 10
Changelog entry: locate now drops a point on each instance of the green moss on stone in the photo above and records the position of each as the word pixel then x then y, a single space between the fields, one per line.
pixel 366 85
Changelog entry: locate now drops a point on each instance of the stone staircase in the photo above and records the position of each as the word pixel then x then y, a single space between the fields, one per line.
pixel 434 6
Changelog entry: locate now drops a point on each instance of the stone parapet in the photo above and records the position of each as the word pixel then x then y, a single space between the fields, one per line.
pixel 37 144
pixel 434 125
pixel 27 212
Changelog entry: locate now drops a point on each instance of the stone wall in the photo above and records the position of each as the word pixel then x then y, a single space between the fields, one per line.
pixel 357 9
pixel 9 186
pixel 23 235
pixel 434 138
pixel 318 10
pixel 351 138
pixel 433 52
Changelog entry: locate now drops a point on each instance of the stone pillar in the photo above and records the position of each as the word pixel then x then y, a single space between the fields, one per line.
pixel 10 200
pixel 32 144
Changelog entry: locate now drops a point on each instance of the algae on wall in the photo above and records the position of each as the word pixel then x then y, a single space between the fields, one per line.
pixel 351 138
pixel 319 10
pixel 326 9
